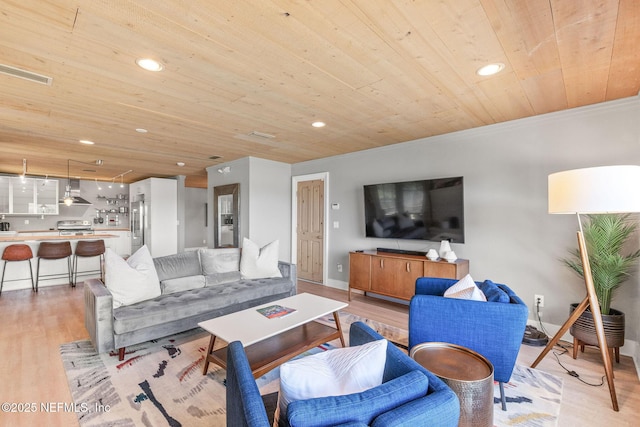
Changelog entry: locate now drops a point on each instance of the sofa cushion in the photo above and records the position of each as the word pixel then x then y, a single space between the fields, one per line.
pixel 465 288
pixel 222 260
pixel 259 262
pixel 180 284
pixel 493 292
pixel 361 407
pixel 133 280
pixel 331 373
pixel 195 302
pixel 178 265
pixel 222 278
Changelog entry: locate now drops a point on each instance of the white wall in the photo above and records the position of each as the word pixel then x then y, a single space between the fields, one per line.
pixel 265 200
pixel 510 237
pixel 161 210
pixel 194 217
pixel 270 204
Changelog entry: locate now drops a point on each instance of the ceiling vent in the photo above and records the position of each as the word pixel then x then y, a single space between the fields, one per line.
pixel 26 75
pixel 255 136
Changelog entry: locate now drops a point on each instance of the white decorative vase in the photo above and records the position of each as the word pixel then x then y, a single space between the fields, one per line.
pixel 444 248
pixel 450 256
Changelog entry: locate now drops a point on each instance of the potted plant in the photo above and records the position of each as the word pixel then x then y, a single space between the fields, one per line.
pixel 605 236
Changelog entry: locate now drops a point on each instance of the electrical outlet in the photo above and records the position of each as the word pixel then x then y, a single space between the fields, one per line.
pixel 538 301
pixel 339 268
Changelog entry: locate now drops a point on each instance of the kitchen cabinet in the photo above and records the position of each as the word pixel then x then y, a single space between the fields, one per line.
pixel 120 244
pixel 28 196
pixel 359 272
pixel 395 275
pixel 47 196
pixel 4 194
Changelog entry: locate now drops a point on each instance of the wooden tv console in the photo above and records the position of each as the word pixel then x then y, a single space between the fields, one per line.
pixel 395 275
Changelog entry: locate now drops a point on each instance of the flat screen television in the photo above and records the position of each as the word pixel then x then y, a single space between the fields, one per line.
pixel 431 209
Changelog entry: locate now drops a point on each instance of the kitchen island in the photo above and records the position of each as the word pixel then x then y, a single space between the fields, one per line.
pixel 17 273
pixel 32 237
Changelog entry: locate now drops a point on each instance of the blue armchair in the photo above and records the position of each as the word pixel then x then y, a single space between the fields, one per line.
pixel 438 407
pixel 494 328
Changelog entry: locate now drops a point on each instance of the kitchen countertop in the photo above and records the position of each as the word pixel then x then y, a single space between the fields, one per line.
pixel 18 238
pixel 97 230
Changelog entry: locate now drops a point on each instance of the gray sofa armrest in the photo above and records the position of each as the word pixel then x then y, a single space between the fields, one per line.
pixel 290 271
pixel 98 315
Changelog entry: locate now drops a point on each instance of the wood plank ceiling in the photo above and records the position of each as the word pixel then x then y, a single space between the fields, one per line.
pixel 378 72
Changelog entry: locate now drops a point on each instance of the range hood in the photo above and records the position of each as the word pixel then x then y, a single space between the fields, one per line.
pixel 74 185
pixel 77 200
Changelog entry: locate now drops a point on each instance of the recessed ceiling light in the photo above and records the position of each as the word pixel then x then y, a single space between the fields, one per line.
pixel 181 164
pixel 141 130
pixel 490 69
pixel 318 124
pixel 149 64
pixel 87 142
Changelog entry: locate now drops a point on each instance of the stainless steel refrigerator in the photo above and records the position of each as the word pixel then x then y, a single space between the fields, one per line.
pixel 137 225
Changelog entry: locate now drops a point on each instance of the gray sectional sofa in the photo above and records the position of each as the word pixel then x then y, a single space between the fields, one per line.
pixel 196 286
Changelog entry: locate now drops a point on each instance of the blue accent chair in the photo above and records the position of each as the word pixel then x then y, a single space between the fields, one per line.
pixel 494 328
pixel 439 407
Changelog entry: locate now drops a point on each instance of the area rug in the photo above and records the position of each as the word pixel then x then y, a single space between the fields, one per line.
pixel 533 399
pixel 160 383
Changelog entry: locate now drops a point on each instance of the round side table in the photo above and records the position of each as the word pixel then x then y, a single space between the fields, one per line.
pixel 469 375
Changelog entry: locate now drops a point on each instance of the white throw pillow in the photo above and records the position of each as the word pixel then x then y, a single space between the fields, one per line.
pixel 465 288
pixel 219 260
pixel 258 263
pixel 331 373
pixel 133 280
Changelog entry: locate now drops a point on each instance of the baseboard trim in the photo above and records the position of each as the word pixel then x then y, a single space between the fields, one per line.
pixel 338 284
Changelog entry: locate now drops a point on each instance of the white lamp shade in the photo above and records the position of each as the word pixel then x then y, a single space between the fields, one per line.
pixel 605 189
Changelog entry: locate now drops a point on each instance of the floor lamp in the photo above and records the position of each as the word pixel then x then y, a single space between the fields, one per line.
pixel 598 190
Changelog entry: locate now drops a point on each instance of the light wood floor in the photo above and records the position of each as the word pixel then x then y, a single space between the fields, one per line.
pixel 32 327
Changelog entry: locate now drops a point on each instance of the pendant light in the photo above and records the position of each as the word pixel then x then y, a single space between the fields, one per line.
pixel 68 200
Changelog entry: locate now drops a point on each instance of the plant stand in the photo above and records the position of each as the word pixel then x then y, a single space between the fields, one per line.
pixel 614 351
pixel 584 333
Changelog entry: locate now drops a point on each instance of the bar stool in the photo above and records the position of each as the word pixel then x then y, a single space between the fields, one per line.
pixel 17 252
pixel 54 250
pixel 88 248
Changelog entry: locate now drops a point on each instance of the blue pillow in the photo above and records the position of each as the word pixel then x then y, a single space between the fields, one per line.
pixel 358 407
pixel 493 292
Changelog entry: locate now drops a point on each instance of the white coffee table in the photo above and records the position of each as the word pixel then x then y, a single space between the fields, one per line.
pixel 271 342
